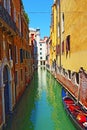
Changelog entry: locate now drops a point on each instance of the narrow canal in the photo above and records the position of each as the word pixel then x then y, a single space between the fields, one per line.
pixel 41 106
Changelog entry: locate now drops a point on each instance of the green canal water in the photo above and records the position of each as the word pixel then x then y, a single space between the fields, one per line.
pixel 41 106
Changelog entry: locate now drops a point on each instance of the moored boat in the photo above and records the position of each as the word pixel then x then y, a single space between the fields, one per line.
pixel 76 112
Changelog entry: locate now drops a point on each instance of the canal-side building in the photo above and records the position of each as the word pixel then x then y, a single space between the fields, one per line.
pixel 53 35
pixel 48 53
pixel 71 46
pixel 15 60
pixel 34 40
pixel 42 52
pixel 39 47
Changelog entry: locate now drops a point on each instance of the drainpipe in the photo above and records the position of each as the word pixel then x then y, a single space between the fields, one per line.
pixel 60 31
pixel 56 31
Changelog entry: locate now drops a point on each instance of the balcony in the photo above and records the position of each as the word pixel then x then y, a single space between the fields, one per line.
pixel 6 21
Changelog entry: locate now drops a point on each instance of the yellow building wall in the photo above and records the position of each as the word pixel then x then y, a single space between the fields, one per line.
pixel 75 25
pixel 53 33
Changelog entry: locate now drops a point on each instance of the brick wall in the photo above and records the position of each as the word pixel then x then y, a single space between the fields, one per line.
pixel 79 91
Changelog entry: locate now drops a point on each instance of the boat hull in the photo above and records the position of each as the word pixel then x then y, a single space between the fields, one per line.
pixel 77 115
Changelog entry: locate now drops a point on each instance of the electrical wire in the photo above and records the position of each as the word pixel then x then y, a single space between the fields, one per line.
pixel 39 12
pixel 45 12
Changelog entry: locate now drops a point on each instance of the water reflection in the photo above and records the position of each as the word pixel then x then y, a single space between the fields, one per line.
pixel 41 106
pixel 49 113
pixel 41 115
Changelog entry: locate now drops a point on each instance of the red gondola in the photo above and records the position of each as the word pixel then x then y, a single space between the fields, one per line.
pixel 76 112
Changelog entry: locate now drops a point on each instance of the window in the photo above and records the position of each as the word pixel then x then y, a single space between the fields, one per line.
pixel 40 62
pixel 62 22
pixel 24 52
pixel 44 63
pixel 46 57
pixel 57 49
pixel 77 78
pixel 4 44
pixel 16 78
pixel 21 74
pixel 62 47
pixel 40 57
pixel 40 53
pixel 15 54
pixel 40 44
pixel 40 48
pixel 32 36
pixel 21 56
pixel 69 73
pixel 19 22
pixel 67 44
pixel 10 52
